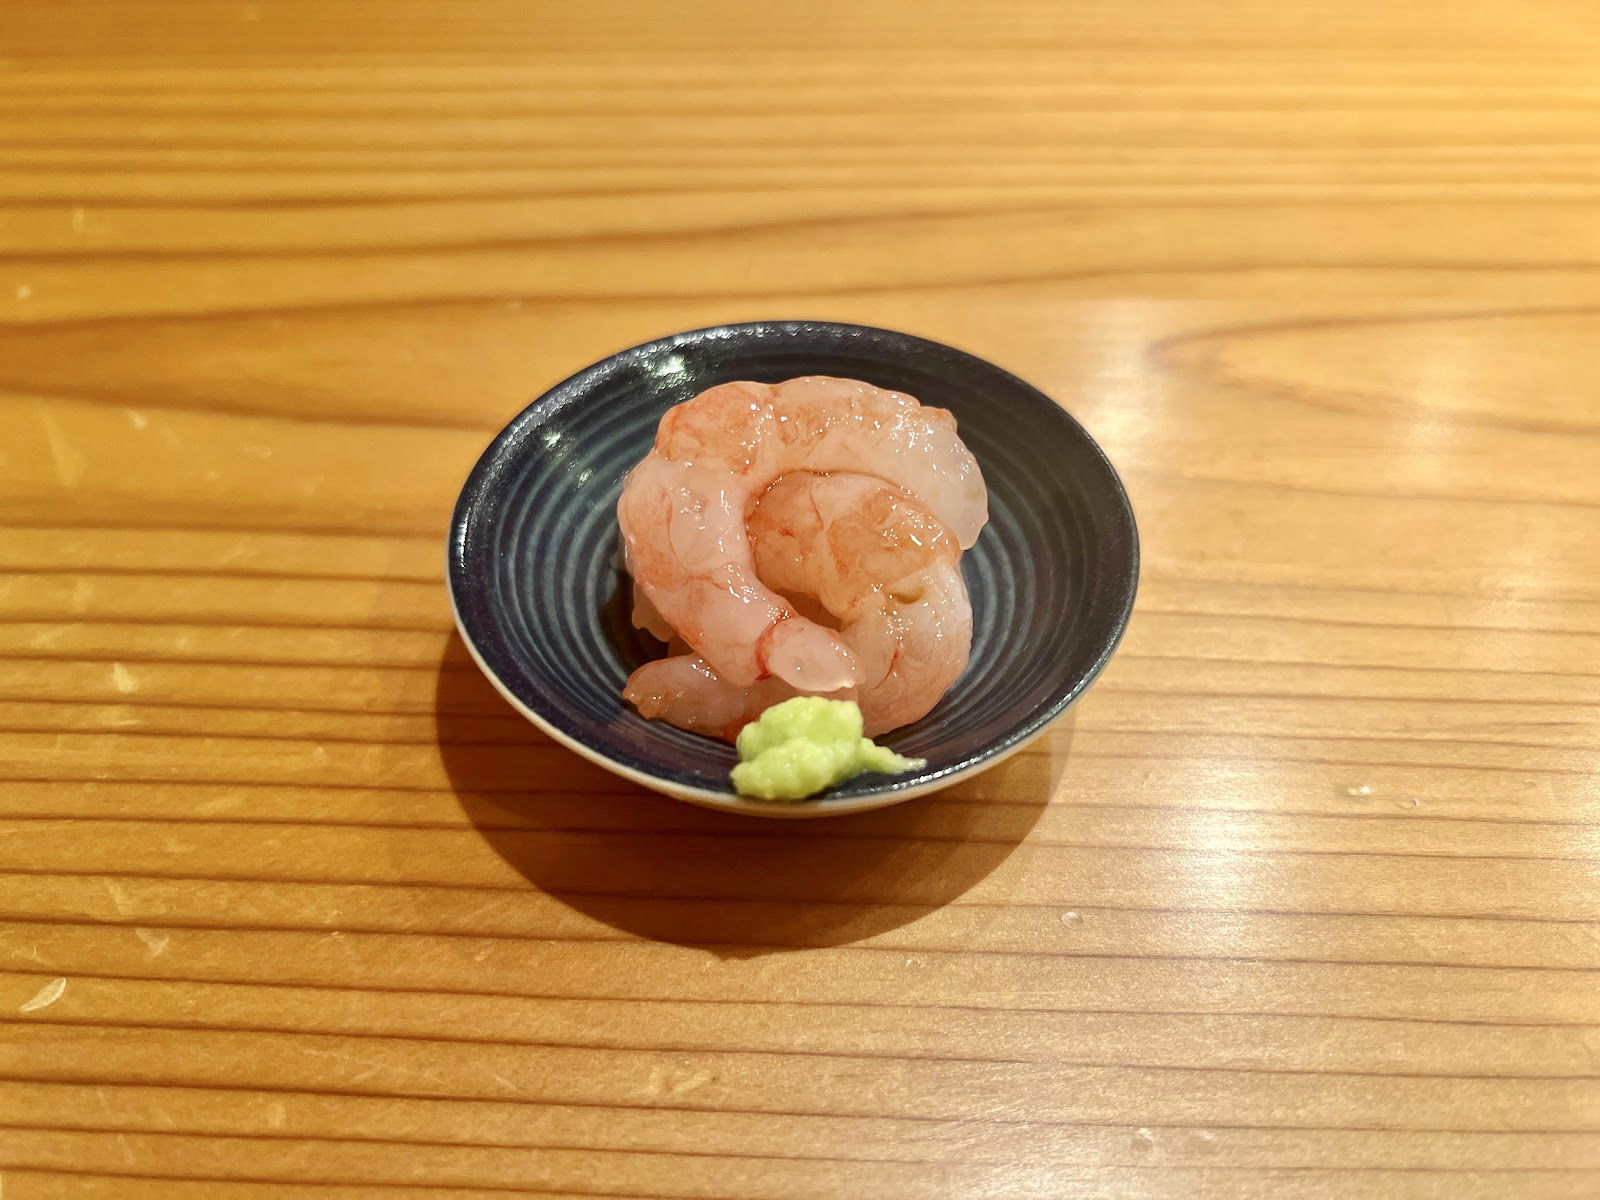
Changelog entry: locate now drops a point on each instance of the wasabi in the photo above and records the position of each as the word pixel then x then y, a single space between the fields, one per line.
pixel 802 746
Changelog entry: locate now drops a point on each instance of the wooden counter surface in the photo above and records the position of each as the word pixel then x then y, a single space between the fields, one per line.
pixel 1302 901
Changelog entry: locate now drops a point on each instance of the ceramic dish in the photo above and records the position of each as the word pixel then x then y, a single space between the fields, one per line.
pixel 542 604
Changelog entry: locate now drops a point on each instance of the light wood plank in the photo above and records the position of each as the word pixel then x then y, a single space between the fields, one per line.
pixel 1300 901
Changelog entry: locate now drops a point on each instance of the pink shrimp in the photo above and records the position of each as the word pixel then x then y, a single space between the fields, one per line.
pixel 644 613
pixel 874 558
pixel 683 690
pixel 683 508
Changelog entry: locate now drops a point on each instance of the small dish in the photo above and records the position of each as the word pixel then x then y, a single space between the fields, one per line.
pixel 541 601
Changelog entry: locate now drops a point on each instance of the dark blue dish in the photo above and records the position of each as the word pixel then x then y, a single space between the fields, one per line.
pixel 542 603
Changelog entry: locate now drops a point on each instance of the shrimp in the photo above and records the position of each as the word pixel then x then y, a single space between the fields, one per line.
pixel 645 616
pixel 874 558
pixel 683 690
pixel 683 510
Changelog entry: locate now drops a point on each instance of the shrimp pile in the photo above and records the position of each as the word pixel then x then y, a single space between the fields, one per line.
pixel 800 539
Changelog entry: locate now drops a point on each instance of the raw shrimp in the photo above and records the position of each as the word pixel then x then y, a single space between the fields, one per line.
pixel 683 690
pixel 645 616
pixel 683 510
pixel 874 558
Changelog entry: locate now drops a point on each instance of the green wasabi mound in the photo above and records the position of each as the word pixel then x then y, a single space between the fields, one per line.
pixel 808 744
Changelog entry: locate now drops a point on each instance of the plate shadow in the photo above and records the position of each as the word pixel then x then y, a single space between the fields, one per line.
pixel 733 885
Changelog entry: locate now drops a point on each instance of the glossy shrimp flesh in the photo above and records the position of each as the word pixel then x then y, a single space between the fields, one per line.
pixel 867 555
pixel 683 512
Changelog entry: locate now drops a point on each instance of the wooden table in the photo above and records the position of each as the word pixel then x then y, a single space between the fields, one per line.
pixel 1302 901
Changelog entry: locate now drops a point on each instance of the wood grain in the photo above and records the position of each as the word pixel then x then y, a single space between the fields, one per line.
pixel 1301 901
